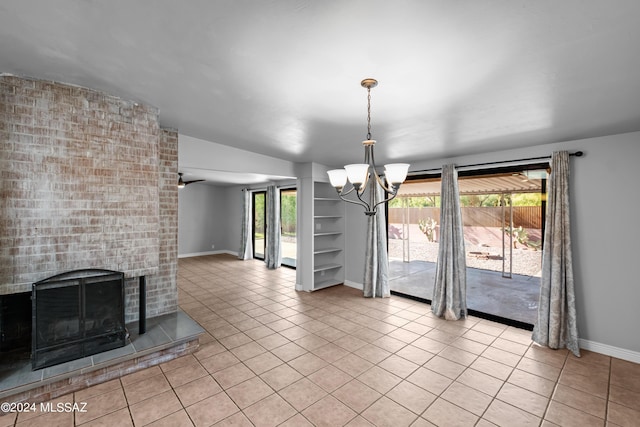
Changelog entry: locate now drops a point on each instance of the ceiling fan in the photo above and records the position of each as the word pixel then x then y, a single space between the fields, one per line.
pixel 182 184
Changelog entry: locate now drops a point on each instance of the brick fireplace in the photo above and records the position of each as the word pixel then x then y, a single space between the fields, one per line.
pixel 88 181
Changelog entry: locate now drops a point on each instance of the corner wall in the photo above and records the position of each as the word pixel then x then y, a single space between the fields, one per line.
pixel 202 219
pixel 162 288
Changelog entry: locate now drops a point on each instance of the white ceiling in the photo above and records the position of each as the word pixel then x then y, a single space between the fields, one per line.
pixel 227 178
pixel 282 77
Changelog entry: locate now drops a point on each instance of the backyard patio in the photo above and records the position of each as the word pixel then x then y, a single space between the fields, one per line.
pixel 512 294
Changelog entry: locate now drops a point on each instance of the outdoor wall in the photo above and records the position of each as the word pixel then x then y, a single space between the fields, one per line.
pixel 485 216
pixel 88 181
pixel 605 236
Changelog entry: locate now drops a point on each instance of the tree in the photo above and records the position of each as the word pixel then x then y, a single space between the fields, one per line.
pixel 415 202
pixel 470 200
pixel 288 212
pixel 259 209
pixel 527 199
pixel 479 200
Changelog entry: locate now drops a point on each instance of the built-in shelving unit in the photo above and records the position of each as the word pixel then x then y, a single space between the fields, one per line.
pixel 321 231
pixel 328 237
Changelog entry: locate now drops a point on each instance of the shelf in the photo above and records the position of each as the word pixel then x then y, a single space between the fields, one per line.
pixel 326 283
pixel 327 216
pixel 327 251
pixel 327 233
pixel 325 267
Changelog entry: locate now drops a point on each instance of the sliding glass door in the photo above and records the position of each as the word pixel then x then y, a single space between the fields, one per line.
pixel 288 220
pixel 503 217
pixel 259 220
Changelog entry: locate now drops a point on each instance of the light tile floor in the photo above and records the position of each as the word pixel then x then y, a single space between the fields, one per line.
pixel 273 356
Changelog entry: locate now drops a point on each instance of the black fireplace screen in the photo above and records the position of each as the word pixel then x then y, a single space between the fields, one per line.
pixel 77 314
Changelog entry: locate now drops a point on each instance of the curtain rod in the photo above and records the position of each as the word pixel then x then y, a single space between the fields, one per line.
pixel 285 187
pixel 576 154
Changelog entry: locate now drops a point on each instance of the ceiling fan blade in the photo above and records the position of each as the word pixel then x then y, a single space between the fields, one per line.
pixel 191 182
pixel 182 183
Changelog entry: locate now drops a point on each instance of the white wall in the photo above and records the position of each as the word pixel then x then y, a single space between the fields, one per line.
pixel 232 219
pixel 356 234
pixel 200 154
pixel 606 235
pixel 605 230
pixel 201 219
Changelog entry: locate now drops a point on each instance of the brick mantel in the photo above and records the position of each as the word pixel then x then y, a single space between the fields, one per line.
pixel 85 178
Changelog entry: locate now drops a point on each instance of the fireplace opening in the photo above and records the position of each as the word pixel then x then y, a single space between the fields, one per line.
pixel 77 314
pixel 15 325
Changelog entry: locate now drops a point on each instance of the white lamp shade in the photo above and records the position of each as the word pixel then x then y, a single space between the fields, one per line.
pixel 337 177
pixel 396 173
pixel 357 173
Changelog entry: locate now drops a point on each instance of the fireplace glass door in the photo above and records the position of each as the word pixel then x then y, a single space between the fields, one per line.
pixel 77 314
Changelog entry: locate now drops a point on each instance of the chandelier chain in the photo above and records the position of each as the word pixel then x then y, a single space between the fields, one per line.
pixel 368 113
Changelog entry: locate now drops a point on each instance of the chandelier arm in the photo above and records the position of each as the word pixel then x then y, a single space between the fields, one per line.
pixel 363 186
pixel 342 193
pixel 385 187
pixel 359 203
pixel 355 202
pixel 393 196
pixel 366 205
pixel 351 190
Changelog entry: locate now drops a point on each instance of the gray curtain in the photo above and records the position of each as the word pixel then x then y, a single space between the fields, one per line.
pixel 450 287
pixel 376 270
pixel 272 255
pixel 245 251
pixel 556 326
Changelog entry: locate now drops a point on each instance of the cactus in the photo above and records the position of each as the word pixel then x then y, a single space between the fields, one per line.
pixel 519 234
pixel 428 227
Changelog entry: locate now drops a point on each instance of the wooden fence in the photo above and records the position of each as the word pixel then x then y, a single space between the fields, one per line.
pixel 525 216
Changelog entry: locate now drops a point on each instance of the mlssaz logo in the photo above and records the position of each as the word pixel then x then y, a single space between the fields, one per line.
pixel 63 407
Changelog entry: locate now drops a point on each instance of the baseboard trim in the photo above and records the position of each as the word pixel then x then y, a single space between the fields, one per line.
pixel 351 284
pixel 609 350
pixel 194 254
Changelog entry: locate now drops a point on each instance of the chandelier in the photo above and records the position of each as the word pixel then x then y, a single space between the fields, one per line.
pixel 363 176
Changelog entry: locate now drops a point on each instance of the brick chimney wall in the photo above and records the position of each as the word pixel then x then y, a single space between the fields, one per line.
pixel 87 181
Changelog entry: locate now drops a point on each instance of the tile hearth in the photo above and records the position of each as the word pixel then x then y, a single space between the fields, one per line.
pixel 166 337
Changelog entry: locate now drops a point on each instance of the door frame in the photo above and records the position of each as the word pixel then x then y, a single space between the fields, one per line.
pixel 253 223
